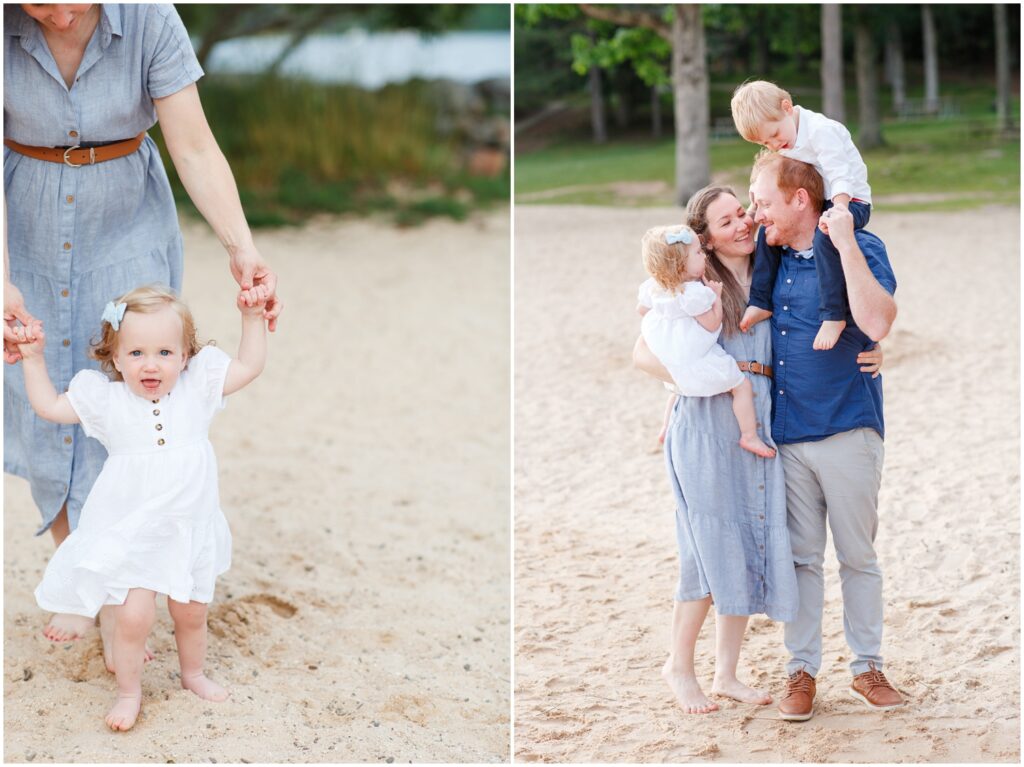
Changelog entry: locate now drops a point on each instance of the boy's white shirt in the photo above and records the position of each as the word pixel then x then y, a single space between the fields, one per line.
pixel 828 146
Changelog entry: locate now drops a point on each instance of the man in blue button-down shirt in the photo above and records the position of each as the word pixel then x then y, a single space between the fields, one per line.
pixel 827 422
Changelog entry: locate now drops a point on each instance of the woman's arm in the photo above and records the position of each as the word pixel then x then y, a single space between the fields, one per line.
pixel 644 360
pixel 252 349
pixel 207 178
pixel 41 395
pixel 14 309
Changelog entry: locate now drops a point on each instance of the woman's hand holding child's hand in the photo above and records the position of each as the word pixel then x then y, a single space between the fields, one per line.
pixel 30 339
pixel 253 301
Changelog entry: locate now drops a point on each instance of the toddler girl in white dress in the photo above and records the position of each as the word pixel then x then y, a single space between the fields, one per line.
pixel 152 523
pixel 682 319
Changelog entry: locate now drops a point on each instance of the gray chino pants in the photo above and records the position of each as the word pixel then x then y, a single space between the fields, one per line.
pixel 835 481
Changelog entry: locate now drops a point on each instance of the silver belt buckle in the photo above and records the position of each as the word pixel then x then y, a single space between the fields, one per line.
pixel 67 161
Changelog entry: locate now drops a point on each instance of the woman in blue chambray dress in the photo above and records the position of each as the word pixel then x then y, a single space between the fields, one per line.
pixel 78 236
pixel 730 517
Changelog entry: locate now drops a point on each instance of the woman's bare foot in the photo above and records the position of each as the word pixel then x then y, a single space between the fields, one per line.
pixel 828 334
pixel 67 628
pixel 124 712
pixel 752 316
pixel 687 691
pixel 735 689
pixel 755 445
pixel 107 638
pixel 204 687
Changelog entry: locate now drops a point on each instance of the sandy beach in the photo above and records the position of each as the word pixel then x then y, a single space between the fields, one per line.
pixel 594 546
pixel 365 478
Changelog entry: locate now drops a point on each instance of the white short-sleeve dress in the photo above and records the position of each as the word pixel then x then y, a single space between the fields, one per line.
pixel 690 353
pixel 153 518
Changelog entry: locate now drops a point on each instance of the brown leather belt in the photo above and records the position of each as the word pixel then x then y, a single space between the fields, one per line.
pixel 755 367
pixel 76 156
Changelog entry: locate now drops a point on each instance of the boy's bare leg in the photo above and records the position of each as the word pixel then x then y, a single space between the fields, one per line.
pixel 190 635
pixel 828 334
pixel 63 627
pixel 746 417
pixel 132 624
pixel 752 316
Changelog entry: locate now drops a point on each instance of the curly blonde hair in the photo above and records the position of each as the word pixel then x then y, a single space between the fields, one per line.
pixel 147 299
pixel 665 262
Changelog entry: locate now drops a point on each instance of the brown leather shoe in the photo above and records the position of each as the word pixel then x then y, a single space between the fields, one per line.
pixel 798 703
pixel 873 690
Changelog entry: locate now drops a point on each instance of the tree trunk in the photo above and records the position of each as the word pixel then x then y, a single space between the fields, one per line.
pixel 870 134
pixel 692 109
pixel 762 64
pixel 832 62
pixel 931 61
pixel 1004 123
pixel 598 121
pixel 894 66
pixel 623 112
pixel 655 111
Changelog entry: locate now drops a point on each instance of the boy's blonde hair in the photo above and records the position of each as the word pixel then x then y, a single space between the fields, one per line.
pixel 754 103
pixel 148 299
pixel 665 262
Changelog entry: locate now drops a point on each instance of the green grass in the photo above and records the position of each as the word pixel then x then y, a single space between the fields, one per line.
pixel 299 148
pixel 961 162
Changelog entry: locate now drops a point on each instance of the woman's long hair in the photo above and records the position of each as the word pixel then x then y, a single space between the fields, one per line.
pixel 734 300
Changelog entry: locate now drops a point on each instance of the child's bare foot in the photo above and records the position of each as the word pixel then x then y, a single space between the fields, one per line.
pixel 107 638
pixel 752 316
pixel 735 689
pixel 828 334
pixel 687 691
pixel 205 688
pixel 755 445
pixel 67 628
pixel 124 712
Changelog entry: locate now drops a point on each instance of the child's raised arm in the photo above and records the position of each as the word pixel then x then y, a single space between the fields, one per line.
pixel 711 320
pixel 41 395
pixel 252 349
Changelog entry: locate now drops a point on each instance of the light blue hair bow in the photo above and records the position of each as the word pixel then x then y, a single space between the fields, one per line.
pixel 684 236
pixel 114 314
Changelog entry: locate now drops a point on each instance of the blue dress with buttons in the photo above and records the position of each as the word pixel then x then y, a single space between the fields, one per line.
pixel 81 236
pixel 731 504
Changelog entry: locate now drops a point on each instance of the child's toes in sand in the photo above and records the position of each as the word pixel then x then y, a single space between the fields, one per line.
pixel 688 693
pixel 735 689
pixel 755 445
pixel 204 687
pixel 67 628
pixel 124 712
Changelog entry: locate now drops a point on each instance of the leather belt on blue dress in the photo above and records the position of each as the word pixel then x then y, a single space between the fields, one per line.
pixel 756 368
pixel 75 155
